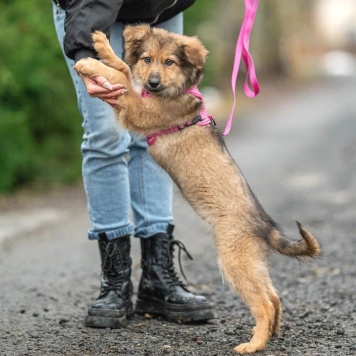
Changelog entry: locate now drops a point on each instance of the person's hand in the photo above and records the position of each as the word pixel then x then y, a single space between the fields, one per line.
pixel 100 87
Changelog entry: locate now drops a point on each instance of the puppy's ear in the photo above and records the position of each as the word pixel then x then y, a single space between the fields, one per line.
pixel 134 36
pixel 194 51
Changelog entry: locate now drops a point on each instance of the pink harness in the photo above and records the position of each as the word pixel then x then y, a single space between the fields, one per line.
pixel 242 51
pixel 205 118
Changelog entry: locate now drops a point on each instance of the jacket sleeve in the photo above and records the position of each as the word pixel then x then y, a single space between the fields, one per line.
pixel 83 18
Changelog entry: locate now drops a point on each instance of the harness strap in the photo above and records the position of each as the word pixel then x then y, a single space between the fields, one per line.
pixel 202 119
pixel 152 138
pixel 242 50
pixel 205 117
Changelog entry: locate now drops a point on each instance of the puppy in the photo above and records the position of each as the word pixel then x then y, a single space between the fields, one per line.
pixel 167 65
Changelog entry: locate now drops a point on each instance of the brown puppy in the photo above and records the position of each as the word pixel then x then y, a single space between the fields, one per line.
pixel 166 65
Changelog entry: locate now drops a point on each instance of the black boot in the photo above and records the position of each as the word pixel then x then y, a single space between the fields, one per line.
pixel 160 290
pixel 114 302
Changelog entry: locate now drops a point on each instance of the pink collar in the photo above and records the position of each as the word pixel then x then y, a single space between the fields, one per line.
pixel 202 120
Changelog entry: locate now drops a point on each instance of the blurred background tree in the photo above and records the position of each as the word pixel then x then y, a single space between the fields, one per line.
pixel 40 127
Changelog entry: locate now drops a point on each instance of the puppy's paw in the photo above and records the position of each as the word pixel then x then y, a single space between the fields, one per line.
pixel 99 36
pixel 248 348
pixel 100 43
pixel 87 67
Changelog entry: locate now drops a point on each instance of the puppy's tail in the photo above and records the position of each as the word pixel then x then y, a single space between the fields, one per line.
pixel 307 247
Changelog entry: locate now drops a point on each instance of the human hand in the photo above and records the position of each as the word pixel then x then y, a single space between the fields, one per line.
pixel 100 87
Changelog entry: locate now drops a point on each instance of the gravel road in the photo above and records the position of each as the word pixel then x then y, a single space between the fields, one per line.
pixel 297 148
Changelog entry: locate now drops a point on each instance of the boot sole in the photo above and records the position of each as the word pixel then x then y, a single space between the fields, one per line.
pixel 175 312
pixel 107 318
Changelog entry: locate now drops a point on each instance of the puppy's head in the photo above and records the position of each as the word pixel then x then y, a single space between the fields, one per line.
pixel 163 63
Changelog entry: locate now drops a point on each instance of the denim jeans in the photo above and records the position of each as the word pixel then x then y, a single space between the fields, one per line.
pixel 120 178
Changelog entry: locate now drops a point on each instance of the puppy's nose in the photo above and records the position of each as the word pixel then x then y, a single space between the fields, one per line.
pixel 154 82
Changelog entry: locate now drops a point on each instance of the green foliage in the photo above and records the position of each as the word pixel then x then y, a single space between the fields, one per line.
pixel 201 12
pixel 200 20
pixel 39 122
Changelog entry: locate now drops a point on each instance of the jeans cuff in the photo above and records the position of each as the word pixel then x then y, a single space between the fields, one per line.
pixel 154 229
pixel 111 234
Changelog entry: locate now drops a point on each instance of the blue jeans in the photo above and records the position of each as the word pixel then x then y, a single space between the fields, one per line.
pixel 119 175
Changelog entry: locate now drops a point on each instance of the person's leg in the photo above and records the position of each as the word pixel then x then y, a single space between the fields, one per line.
pixel 160 291
pixel 105 151
pixel 105 176
pixel 151 191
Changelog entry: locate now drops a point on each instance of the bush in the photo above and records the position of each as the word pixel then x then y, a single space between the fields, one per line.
pixel 40 129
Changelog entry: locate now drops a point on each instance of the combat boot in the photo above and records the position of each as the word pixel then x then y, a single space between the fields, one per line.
pixel 114 302
pixel 161 292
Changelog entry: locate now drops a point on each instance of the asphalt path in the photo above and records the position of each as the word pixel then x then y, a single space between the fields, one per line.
pixel 297 148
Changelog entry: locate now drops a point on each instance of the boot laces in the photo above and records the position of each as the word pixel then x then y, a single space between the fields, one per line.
pixel 114 266
pixel 171 275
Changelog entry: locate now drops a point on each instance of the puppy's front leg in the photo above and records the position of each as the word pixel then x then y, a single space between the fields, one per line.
pixel 103 48
pixel 91 67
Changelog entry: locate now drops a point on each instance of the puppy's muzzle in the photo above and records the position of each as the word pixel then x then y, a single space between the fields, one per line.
pixel 154 84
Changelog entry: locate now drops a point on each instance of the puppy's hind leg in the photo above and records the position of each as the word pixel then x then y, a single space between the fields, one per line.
pixel 247 273
pixel 103 48
pixel 277 310
pixel 273 297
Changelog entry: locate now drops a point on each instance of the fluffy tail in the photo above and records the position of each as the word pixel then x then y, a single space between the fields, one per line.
pixel 308 247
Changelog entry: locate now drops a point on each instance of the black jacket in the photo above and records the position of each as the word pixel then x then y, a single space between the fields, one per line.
pixel 85 16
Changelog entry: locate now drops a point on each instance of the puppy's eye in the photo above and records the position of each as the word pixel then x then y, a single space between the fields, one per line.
pixel 147 60
pixel 168 62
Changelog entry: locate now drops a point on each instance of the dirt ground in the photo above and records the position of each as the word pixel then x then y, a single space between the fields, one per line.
pixel 298 152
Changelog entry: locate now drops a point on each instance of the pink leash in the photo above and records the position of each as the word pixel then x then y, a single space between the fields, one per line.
pixel 242 50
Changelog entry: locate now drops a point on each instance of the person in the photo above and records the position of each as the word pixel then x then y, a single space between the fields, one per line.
pixel 119 176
